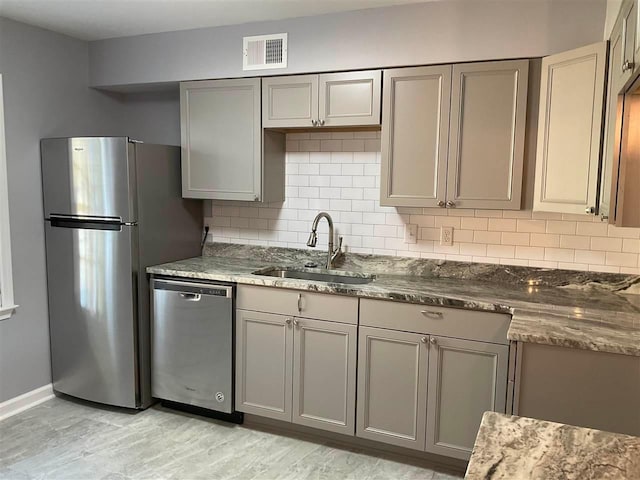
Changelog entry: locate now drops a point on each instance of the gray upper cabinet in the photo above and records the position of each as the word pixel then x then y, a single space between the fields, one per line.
pixel 324 375
pixel 466 379
pixel 415 133
pixel 290 101
pixel 629 21
pixel 327 100
pixel 613 126
pixel 392 387
pixel 264 364
pixel 570 130
pixel 350 99
pixel 486 141
pixel 224 154
pixel 453 136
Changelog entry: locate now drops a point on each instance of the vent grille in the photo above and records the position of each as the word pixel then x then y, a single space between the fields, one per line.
pixel 265 51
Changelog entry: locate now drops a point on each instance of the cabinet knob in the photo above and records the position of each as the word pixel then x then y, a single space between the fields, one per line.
pixel 451 204
pixel 296 322
pixel 321 122
pixel 288 321
pixel 423 339
pixel 441 204
pixel 627 65
pixel 433 341
pixel 314 123
pixel 590 210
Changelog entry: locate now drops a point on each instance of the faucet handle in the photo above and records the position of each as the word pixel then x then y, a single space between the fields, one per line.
pixel 338 251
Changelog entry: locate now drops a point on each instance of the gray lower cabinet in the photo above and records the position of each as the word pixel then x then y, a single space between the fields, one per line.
pixel 466 379
pixel 296 369
pixel 392 387
pixel 324 374
pixel 264 364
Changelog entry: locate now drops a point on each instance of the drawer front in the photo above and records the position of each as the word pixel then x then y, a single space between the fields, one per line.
pixel 448 322
pixel 322 306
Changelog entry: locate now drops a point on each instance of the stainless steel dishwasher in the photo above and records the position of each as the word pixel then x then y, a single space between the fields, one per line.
pixel 192 344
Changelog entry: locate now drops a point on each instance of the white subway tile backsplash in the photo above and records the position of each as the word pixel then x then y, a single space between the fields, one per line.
pixel 339 172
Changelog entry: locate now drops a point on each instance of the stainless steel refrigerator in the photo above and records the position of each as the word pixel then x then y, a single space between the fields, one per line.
pixel 112 207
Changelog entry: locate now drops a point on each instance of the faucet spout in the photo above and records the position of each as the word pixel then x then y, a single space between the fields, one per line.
pixel 313 238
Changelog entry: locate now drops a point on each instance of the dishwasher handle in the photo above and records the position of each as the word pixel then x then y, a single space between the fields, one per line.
pixel 191 297
pixel 192 291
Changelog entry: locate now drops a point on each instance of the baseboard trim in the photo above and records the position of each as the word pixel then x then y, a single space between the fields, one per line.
pixel 25 401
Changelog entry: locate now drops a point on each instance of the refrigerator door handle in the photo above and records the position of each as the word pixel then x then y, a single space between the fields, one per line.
pixel 88 223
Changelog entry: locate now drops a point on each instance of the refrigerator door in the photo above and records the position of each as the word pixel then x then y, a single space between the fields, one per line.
pixel 91 269
pixel 88 176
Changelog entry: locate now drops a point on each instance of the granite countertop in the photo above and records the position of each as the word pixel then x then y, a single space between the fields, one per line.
pixel 511 448
pixel 556 307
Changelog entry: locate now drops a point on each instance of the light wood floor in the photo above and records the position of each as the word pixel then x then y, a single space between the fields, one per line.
pixel 61 439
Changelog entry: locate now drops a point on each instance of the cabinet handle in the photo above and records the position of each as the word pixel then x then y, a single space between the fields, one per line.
pixel 423 339
pixel 604 217
pixel 441 204
pixel 431 314
pixel 288 321
pixel 627 65
pixel 321 122
pixel 296 322
pixel 433 341
pixel 451 204
pixel 299 303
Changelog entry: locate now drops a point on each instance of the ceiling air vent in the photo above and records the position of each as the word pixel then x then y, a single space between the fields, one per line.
pixel 264 51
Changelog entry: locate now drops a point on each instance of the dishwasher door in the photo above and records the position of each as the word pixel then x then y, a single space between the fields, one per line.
pixel 192 349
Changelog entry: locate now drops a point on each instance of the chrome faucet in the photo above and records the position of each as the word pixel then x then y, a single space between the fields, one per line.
pixel 313 238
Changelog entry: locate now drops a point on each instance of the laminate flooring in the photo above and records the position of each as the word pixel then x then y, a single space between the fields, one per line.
pixel 68 440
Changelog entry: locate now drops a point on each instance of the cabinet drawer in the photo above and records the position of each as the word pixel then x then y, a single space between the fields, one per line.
pixel 285 302
pixel 448 322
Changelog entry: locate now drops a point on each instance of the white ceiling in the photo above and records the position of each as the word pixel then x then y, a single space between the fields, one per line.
pixel 100 19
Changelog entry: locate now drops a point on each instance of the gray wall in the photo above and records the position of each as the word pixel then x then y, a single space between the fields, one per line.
pixel 433 32
pixel 45 78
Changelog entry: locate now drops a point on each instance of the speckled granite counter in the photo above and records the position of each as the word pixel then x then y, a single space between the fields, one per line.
pixel 557 307
pixel 524 448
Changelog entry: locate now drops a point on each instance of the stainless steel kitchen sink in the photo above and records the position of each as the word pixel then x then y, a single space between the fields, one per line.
pixel 328 276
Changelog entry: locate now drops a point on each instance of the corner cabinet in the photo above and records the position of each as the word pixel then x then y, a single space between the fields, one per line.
pixel 453 136
pixel 570 130
pixel 225 153
pixel 347 99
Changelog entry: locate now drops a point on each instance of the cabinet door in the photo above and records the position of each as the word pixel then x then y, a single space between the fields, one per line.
pixel 350 99
pixel 610 160
pixel 264 360
pixel 486 143
pixel 289 101
pixel 392 387
pixel 324 375
pixel 221 139
pixel 415 136
pixel 569 130
pixel 628 15
pixel 466 379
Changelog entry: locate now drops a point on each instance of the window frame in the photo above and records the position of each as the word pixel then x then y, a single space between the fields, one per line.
pixel 7 304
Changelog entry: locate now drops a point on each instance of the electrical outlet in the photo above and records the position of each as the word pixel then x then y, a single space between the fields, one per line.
pixel 411 233
pixel 446 236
